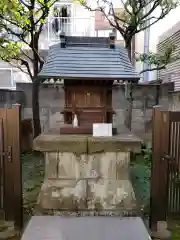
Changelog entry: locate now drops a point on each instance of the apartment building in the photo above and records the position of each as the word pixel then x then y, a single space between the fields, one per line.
pixel 72 18
pixel 67 16
pixel 172 71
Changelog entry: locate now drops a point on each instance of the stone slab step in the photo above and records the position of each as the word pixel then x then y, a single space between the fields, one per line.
pixel 85 228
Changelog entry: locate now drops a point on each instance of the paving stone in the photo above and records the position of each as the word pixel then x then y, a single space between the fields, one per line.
pixel 85 228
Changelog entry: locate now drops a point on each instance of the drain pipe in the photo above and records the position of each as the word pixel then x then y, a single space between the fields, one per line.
pixel 146 45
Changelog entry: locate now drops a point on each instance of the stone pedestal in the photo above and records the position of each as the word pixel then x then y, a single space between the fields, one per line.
pixel 86 173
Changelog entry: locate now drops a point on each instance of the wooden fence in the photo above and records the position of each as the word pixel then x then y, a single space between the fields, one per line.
pixel 10 165
pixel 165 176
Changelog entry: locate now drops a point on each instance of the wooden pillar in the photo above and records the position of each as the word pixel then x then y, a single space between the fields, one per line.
pixel 160 147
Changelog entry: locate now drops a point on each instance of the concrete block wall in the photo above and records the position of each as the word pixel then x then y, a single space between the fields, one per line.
pixel 51 100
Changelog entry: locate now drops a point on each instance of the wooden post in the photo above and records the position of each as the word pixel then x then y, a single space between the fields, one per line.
pixel 160 147
pixel 163 174
pixel 104 103
pixel 3 125
pixel 156 157
pixel 1 163
pixel 13 180
pixel 18 212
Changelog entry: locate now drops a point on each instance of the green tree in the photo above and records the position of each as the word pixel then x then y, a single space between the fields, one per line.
pixel 159 61
pixel 24 20
pixel 134 16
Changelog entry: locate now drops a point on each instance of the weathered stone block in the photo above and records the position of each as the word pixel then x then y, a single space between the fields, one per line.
pixel 76 144
pixel 108 165
pixel 122 166
pixel 110 194
pixel 51 165
pixel 71 166
pixel 94 176
pixel 63 194
pixel 87 195
pixel 117 143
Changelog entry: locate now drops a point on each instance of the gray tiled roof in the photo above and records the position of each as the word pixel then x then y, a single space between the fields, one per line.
pixel 83 59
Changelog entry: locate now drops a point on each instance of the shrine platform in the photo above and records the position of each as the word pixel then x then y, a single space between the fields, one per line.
pixel 85 173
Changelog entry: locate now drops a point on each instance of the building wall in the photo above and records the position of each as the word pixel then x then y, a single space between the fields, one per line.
pixel 6 76
pixel 52 102
pixel 172 71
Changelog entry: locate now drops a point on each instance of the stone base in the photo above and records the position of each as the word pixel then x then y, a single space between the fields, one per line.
pixel 162 232
pixel 87 195
pixel 87 173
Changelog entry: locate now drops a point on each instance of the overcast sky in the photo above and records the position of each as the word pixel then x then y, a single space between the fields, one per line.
pixel 163 25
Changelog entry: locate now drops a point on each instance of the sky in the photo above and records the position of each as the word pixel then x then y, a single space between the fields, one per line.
pixel 160 27
pixel 163 25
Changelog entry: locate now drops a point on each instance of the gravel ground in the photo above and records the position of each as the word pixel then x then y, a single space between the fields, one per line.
pixel 141 181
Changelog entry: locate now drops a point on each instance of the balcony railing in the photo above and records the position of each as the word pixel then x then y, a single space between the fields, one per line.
pixel 72 26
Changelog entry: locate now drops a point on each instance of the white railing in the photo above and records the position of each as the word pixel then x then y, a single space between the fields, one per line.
pixel 72 26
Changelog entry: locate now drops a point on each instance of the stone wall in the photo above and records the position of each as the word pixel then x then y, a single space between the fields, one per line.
pixel 145 96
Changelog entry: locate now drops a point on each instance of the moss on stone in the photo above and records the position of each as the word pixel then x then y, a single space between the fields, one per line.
pixel 112 144
pixel 76 144
pixel 80 144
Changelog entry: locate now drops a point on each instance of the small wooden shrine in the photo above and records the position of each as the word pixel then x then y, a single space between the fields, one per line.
pixel 88 66
pixel 90 100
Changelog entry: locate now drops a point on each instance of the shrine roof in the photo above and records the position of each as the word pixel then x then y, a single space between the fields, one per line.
pixel 88 58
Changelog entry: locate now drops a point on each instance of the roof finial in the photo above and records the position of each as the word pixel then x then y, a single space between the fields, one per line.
pixel 62 39
pixel 112 38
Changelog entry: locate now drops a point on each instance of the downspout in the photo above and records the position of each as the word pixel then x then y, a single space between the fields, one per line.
pixel 146 46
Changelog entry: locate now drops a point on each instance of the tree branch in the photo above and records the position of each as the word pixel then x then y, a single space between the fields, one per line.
pixel 26 55
pixel 26 64
pixel 45 9
pixel 19 67
pixel 152 23
pixel 107 16
pixel 40 59
pixel 155 5
pixel 153 69
pixel 25 4
pixel 134 18
pixel 8 29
